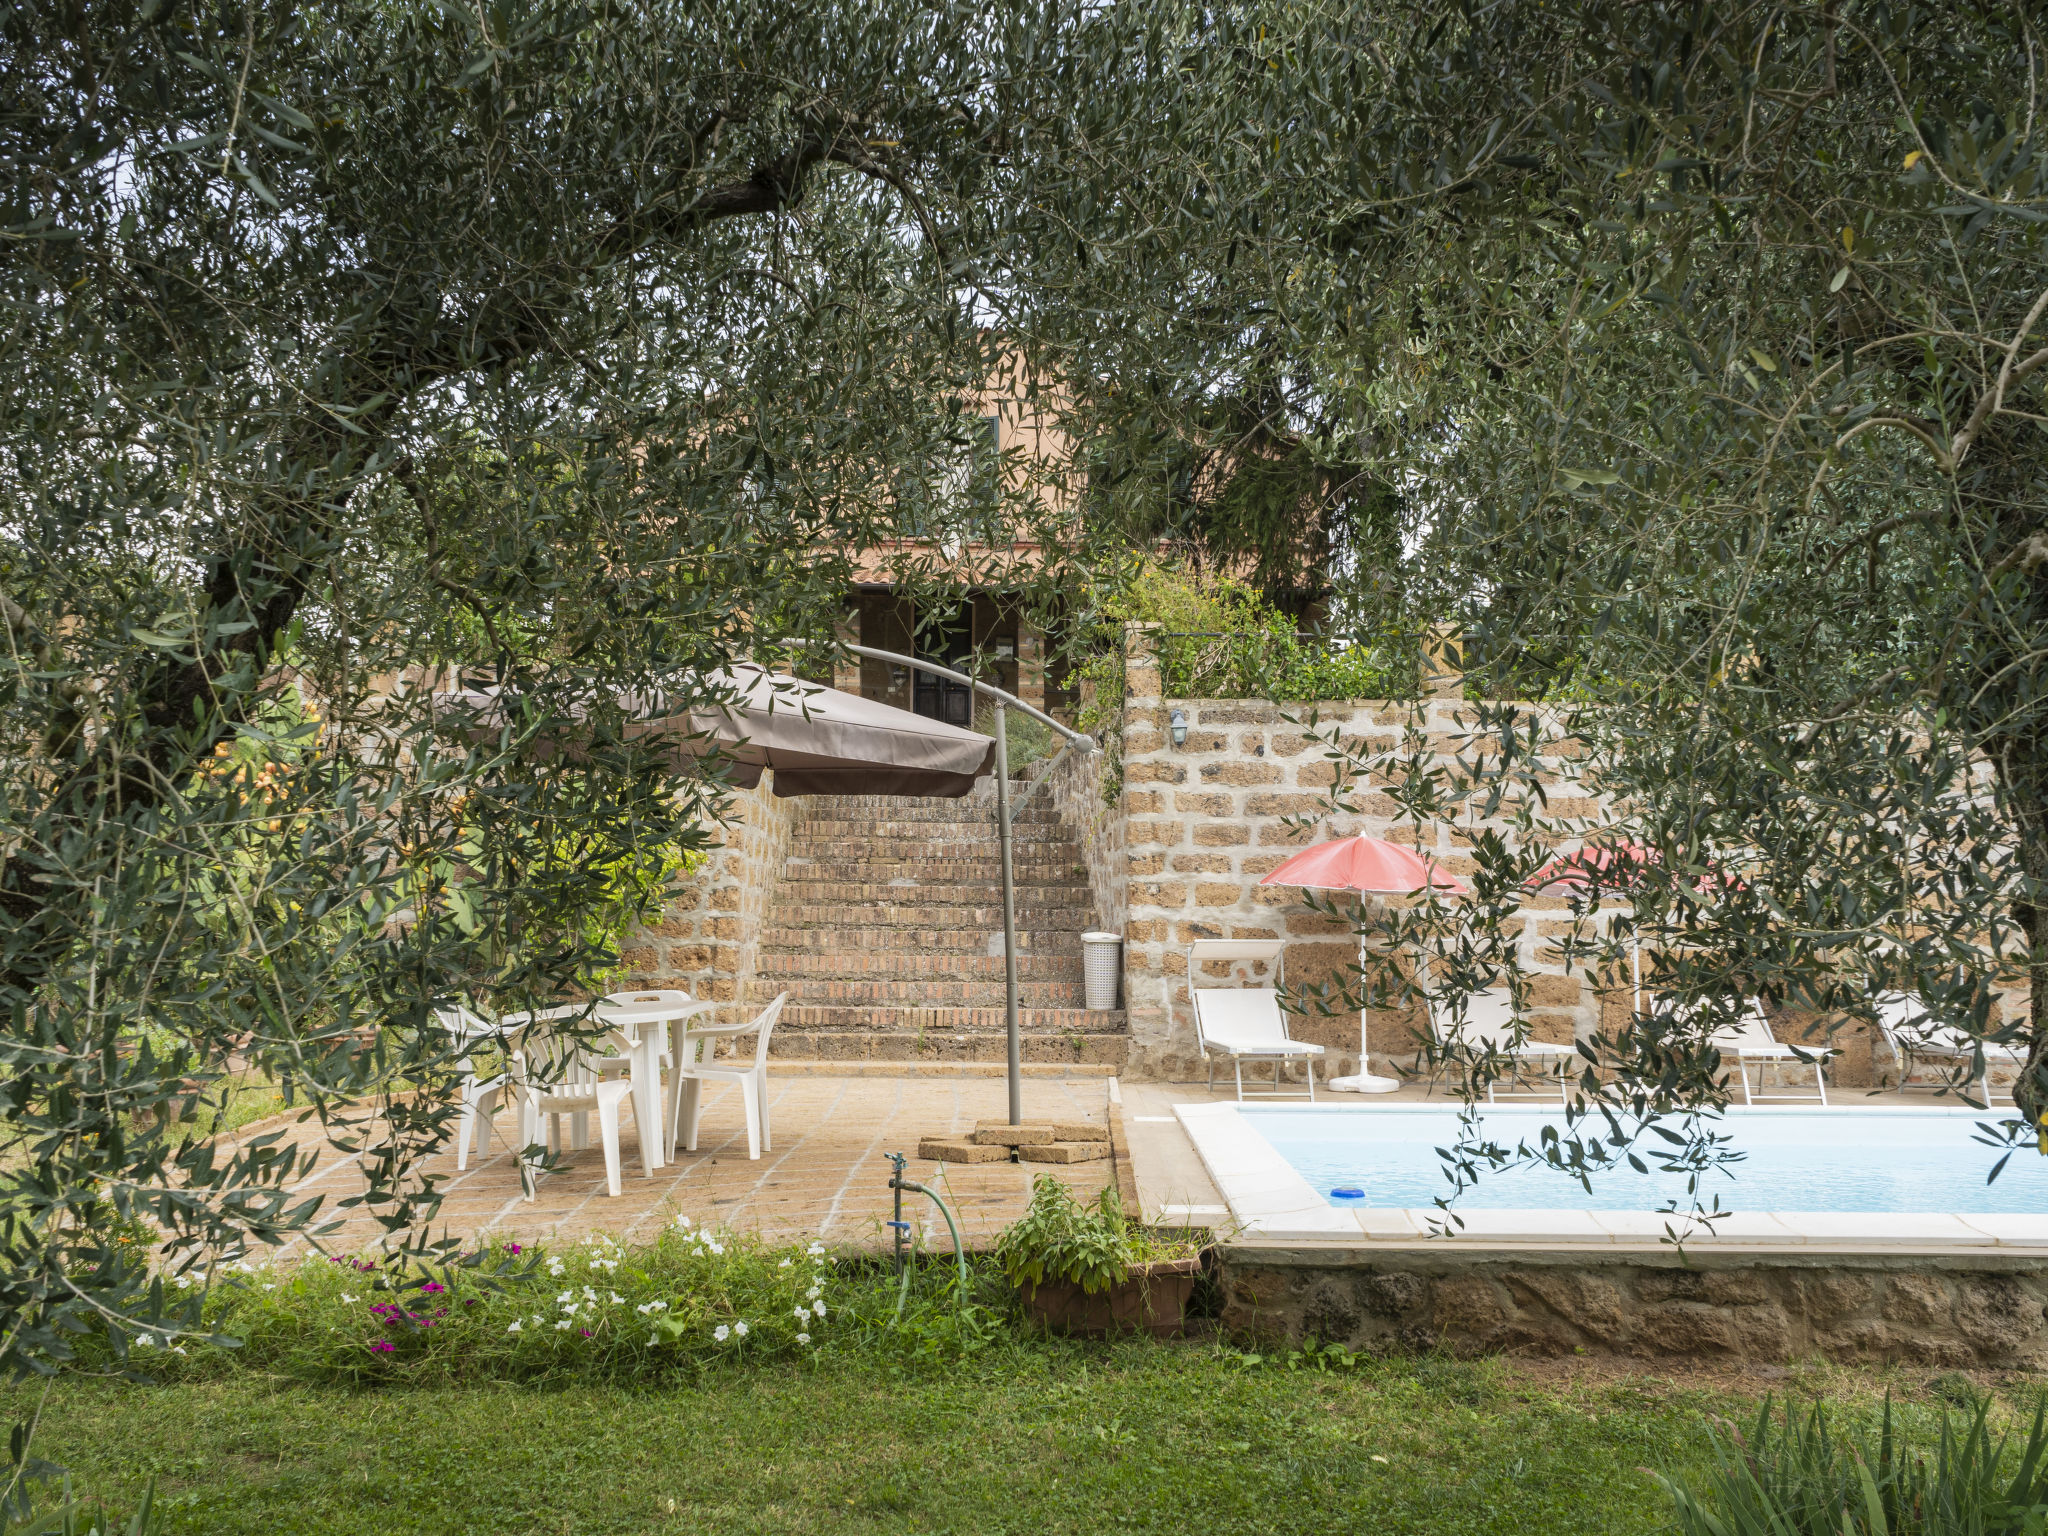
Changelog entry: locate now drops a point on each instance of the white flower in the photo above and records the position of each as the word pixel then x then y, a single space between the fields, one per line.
pixel 683 1222
pixel 802 1315
pixel 803 1338
pixel 562 1326
pixel 814 1292
pixel 589 1294
pixel 145 1340
pixel 815 1248
pixel 618 1300
pixel 346 1297
pixel 515 1326
pixel 177 1349
pixel 566 1296
pixel 536 1319
pixel 784 1264
pixel 721 1333
pixel 270 1287
pixel 740 1329
pixel 654 1338
pixel 818 1307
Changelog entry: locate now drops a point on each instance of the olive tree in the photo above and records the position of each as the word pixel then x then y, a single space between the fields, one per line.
pixel 360 351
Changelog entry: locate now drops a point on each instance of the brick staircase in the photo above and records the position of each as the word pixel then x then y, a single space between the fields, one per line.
pixel 887 933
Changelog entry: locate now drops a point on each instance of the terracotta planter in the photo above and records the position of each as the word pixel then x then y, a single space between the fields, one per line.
pixel 1152 1298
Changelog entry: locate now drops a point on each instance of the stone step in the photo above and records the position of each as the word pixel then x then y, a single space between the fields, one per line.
pixel 798 1018
pixel 988 919
pixel 923 992
pixel 795 895
pixel 886 1066
pixel 1028 826
pixel 914 964
pixel 784 939
pixel 1098 1054
pixel 873 864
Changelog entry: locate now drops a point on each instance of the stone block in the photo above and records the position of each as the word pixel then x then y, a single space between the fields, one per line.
pixel 1144 802
pixel 1281 803
pixel 1065 1152
pixel 1213 893
pixel 1199 803
pixel 939 1151
pixel 1918 1300
pixel 1221 834
pixel 998 1133
pixel 1079 1130
pixel 1202 864
pixel 1240 774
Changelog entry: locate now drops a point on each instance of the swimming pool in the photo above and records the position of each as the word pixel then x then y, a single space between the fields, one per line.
pixel 1853 1176
pixel 1845 1159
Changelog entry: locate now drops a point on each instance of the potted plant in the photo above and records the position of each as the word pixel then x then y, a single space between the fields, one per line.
pixel 1087 1269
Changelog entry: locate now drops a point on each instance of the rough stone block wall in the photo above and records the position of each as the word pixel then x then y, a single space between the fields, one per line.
pixel 1075 791
pixel 1205 820
pixel 1933 1310
pixel 708 937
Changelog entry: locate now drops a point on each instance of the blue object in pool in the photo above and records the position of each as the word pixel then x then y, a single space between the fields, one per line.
pixel 1347 1192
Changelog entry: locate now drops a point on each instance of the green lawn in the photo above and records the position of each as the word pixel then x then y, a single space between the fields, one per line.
pixel 1040 1439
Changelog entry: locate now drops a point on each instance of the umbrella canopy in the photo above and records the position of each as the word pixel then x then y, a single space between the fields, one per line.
pixel 1370 865
pixel 1614 866
pixel 818 740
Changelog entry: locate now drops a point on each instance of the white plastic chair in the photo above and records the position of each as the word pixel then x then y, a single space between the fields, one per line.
pixel 1489 1024
pixel 1749 1039
pixel 1911 1030
pixel 1246 1023
pixel 752 1077
pixel 480 1096
pixel 556 1074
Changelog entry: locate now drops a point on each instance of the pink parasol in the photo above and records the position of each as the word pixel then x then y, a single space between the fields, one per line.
pixel 1615 866
pixel 1371 866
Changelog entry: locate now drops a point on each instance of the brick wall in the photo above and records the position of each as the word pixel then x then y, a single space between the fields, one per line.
pixel 708 937
pixel 1205 820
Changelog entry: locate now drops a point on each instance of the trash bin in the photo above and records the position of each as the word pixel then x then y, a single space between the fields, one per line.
pixel 1102 967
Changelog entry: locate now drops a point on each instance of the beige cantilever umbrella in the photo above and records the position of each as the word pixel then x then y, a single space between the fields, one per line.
pixel 818 740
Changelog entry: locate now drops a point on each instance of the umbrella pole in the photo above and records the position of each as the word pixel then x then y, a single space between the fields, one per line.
pixel 1009 920
pixel 1364 1080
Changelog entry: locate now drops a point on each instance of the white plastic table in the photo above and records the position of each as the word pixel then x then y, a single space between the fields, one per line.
pixel 651 1020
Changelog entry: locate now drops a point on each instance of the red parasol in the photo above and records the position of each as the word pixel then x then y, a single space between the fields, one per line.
pixel 1371 866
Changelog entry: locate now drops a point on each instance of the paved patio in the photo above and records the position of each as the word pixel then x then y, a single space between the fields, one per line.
pixel 826 1176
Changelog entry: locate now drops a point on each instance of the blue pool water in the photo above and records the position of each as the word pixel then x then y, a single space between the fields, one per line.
pixel 1797 1160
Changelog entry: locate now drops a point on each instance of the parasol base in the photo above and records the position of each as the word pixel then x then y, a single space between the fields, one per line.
pixel 1363 1083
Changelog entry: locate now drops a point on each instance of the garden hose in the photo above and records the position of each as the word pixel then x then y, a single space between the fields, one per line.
pixel 899 1184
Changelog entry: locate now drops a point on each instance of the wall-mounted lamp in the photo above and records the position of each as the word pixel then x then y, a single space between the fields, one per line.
pixel 1177 728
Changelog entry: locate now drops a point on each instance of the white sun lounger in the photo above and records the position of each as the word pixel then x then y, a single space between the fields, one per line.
pixel 1489 1024
pixel 1246 1023
pixel 1911 1030
pixel 1749 1039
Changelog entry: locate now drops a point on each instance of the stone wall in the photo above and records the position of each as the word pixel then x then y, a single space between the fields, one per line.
pixel 1206 819
pixel 708 936
pixel 1075 791
pixel 1924 1309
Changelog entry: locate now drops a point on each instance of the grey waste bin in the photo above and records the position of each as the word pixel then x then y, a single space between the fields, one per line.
pixel 1102 967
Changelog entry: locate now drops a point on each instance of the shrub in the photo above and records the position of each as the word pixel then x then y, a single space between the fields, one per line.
pixel 691 1300
pixel 1794 1476
pixel 1092 1246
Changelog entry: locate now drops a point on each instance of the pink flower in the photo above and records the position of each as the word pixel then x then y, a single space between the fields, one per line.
pixel 513 1248
pixel 433 1287
pixel 586 1333
pixel 383 1346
